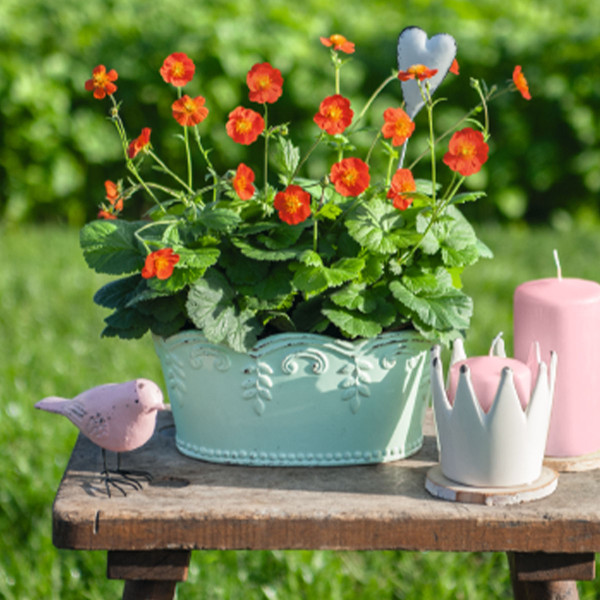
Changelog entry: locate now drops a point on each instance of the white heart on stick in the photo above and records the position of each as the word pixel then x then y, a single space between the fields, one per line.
pixel 414 48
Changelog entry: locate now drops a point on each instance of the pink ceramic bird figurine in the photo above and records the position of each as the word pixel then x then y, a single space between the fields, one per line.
pixel 116 416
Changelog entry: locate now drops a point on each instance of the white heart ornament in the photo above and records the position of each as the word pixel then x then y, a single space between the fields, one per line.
pixel 414 48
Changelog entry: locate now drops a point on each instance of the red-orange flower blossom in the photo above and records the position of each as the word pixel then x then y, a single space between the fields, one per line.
pixel 334 114
pixel 521 83
pixel 244 125
pixel 292 205
pixel 113 195
pixel 419 72
pixel 402 182
pixel 178 69
pixel 243 181
pixel 339 42
pixel 101 82
pixel 467 151
pixel 454 68
pixel 160 264
pixel 140 143
pixel 398 126
pixel 350 176
pixel 265 83
pixel 104 214
pixel 189 111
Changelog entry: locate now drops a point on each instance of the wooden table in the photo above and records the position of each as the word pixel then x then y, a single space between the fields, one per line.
pixel 193 505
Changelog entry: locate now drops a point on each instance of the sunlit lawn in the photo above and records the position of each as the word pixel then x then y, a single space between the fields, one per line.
pixel 50 328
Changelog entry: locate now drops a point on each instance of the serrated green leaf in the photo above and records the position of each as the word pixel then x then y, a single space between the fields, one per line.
pixel 259 253
pixel 450 309
pixel 117 294
pixel 286 158
pixel 467 197
pixel 353 324
pixel 311 280
pixel 344 270
pixel 310 258
pixel 207 297
pixel 109 246
pixel 329 211
pixel 377 226
pixel 218 219
pixel 355 296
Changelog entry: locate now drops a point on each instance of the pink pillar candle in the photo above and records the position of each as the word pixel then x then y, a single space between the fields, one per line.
pixel 486 372
pixel 563 315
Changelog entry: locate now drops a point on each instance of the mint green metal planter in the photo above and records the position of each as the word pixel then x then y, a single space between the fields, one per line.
pixel 298 399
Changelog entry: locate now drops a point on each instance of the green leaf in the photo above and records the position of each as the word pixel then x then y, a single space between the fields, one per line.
pixel 450 309
pixel 311 280
pixel 207 297
pixel 377 226
pixel 210 307
pixel 118 293
pixel 353 324
pixel 198 258
pixel 258 253
pixel 219 219
pixel 355 296
pixel 109 246
pixel 467 197
pixel 286 158
pixel 329 211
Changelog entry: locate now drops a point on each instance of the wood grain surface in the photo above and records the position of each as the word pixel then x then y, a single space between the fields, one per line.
pixel 191 504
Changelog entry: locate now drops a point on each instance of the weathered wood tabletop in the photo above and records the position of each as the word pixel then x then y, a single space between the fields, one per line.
pixel 190 505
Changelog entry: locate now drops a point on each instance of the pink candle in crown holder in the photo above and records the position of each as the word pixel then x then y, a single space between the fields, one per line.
pixel 563 315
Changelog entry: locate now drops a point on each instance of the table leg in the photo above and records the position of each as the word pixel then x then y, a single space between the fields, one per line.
pixel 545 576
pixel 152 575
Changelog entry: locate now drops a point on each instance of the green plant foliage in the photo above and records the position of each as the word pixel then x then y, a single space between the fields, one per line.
pixel 54 143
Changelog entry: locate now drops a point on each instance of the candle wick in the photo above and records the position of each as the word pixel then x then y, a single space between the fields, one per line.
pixel 557 262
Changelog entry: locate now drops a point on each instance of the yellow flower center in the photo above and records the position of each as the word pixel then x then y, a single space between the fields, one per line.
pixel 262 83
pixel 243 126
pixel 467 149
pixel 177 70
pixel 350 177
pixel 417 69
pixel 292 203
pixel 337 39
pixel 334 113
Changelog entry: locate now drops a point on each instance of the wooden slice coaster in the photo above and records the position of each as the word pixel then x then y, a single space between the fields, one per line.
pixel 441 487
pixel 565 464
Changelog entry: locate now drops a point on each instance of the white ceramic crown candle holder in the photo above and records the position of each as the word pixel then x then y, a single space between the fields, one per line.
pixel 503 446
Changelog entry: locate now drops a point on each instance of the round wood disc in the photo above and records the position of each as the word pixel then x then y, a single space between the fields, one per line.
pixel 584 462
pixel 441 487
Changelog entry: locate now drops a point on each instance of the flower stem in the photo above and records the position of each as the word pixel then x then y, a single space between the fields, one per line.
pixel 267 135
pixel 305 158
pixel 373 97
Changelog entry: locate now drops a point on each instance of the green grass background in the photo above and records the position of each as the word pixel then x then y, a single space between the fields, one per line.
pixel 50 328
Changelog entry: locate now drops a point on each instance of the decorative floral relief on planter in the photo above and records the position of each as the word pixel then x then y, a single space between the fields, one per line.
pixel 298 399
pixel 258 386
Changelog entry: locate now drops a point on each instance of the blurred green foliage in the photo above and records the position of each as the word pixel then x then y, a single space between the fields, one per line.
pixel 57 148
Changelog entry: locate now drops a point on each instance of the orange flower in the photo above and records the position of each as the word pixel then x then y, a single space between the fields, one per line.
pixel 398 126
pixel 293 205
pixel 244 125
pixel 113 195
pixel 189 111
pixel 454 67
pixel 265 83
pixel 140 143
pixel 339 42
pixel 521 82
pixel 419 72
pixel 177 69
pixel 334 114
pixel 101 82
pixel 350 176
pixel 467 151
pixel 402 182
pixel 242 182
pixel 160 264
pixel 104 214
